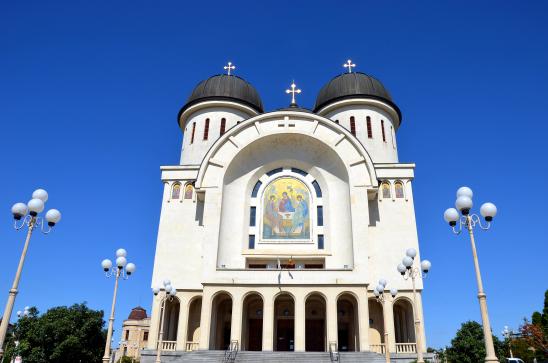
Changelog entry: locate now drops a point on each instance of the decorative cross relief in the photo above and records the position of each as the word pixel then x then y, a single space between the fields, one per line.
pixel 349 65
pixel 229 67
pixel 294 90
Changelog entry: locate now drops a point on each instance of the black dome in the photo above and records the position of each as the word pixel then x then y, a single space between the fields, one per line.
pixel 353 85
pixel 225 87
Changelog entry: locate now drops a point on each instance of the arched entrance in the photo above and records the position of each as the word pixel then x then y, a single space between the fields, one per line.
pixel 171 320
pixel 252 323
pixel 376 326
pixel 193 327
pixel 221 322
pixel 315 323
pixel 347 324
pixel 403 321
pixel 284 323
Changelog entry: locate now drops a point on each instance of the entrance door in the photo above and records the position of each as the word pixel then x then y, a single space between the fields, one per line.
pixel 315 335
pixel 285 335
pixel 344 341
pixel 255 335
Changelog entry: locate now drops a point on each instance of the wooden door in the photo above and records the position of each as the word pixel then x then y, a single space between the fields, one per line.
pixel 255 335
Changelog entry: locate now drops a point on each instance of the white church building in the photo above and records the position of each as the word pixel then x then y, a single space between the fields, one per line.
pixel 276 226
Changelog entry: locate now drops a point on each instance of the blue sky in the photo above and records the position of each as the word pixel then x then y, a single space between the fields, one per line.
pixel 89 93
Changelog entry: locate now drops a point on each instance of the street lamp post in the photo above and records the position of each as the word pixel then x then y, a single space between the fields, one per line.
pixel 507 333
pixel 409 271
pixel 379 294
pixel 123 270
pixel 26 215
pixel 170 293
pixel 470 221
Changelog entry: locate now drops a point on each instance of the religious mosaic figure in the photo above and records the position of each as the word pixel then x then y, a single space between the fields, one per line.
pixel 286 210
pixel 188 191
pixel 176 191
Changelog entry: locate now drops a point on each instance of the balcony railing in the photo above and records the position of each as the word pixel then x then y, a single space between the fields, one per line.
pixel 169 346
pixel 403 348
pixel 190 346
pixel 377 348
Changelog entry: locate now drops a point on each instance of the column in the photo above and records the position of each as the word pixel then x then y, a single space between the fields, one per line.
pixel 154 324
pixel 332 332
pixel 268 323
pixel 299 322
pixel 388 315
pixel 236 323
pixel 363 320
pixel 183 322
pixel 205 322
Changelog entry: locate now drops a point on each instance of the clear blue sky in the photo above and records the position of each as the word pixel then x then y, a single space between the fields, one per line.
pixel 89 93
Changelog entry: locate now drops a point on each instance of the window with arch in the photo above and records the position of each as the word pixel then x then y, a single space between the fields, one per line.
pixel 176 191
pixel 223 126
pixel 352 125
pixel 192 132
pixel 383 133
pixel 189 190
pixel 385 187
pixel 206 129
pixel 369 130
pixel 398 187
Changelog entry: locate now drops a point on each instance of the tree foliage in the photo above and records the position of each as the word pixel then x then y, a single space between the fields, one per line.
pixel 468 345
pixel 61 335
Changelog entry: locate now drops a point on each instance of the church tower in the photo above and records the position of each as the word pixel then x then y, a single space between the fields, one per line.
pixel 276 226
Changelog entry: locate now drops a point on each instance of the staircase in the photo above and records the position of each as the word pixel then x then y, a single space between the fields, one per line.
pixel 218 356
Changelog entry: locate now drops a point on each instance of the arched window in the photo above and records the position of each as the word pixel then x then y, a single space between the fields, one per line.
pixel 176 191
pixel 383 133
pixel 223 126
pixel 385 186
pixel 189 189
pixel 192 133
pixel 352 125
pixel 286 210
pixel 369 130
pixel 206 129
pixel 398 186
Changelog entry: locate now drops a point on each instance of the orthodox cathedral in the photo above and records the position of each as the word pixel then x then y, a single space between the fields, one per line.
pixel 276 226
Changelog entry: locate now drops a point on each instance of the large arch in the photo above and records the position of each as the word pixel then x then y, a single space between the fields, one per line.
pixel 171 319
pixel 348 332
pixel 376 326
pixel 221 321
pixel 315 323
pixel 403 321
pixel 193 323
pixel 284 322
pixel 252 322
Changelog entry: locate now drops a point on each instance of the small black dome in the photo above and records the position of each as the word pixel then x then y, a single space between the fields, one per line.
pixel 353 85
pixel 225 87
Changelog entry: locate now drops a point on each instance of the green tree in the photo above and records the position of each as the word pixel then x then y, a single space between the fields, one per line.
pixel 61 335
pixel 468 345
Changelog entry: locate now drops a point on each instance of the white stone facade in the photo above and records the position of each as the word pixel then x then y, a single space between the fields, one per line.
pixel 233 284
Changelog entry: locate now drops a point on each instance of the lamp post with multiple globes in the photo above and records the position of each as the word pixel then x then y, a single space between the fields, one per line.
pixel 123 270
pixel 470 221
pixel 27 215
pixel 408 271
pixel 379 294
pixel 170 293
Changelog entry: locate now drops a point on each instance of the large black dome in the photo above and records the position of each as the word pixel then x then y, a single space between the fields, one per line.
pixel 225 87
pixel 353 85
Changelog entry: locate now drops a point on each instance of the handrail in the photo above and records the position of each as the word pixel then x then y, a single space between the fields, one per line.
pixel 231 352
pixel 333 353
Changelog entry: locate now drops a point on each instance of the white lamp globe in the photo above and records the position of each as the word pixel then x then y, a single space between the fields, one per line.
pixel 35 206
pixel 376 293
pixel 121 262
pixel 19 313
pixel 488 211
pixel 425 266
pixel 464 204
pixel 451 216
pixel 106 264
pixel 383 282
pixel 393 292
pixel 120 252
pixel 40 194
pixel 379 288
pixel 156 290
pixel 19 210
pixel 465 192
pixel 53 216
pixel 411 252
pixel 168 288
pixel 173 291
pixel 130 268
pixel 401 269
pixel 167 282
pixel 407 262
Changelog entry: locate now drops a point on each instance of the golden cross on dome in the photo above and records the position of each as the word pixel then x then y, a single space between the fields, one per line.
pixel 229 67
pixel 293 90
pixel 349 65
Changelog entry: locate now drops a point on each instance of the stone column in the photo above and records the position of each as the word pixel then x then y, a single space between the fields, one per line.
pixel 363 320
pixel 268 323
pixel 331 321
pixel 236 323
pixel 205 322
pixel 300 321
pixel 154 324
pixel 183 322
pixel 388 315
